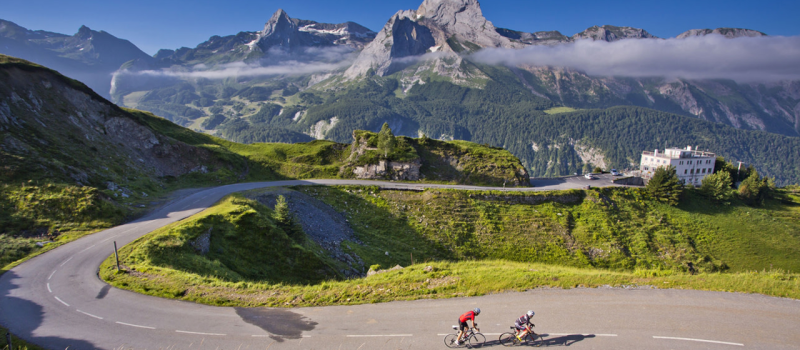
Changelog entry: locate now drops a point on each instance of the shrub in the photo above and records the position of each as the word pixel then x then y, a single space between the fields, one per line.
pixel 754 189
pixel 717 187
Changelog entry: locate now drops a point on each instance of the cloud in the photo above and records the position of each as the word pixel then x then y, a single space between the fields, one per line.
pixel 276 62
pixel 245 70
pixel 761 59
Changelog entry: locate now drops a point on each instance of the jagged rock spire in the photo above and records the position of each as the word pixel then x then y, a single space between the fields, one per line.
pixel 279 22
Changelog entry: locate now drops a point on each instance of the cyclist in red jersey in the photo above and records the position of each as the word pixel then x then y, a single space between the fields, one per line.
pixel 463 326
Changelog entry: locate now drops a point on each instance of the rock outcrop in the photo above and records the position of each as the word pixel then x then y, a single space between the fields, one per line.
pixel 387 170
pixel 729 33
pixel 612 33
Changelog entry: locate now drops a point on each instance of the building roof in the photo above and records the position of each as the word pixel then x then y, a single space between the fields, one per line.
pixel 678 153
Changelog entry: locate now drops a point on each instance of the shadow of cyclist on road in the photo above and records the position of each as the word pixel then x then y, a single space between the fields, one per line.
pixel 564 340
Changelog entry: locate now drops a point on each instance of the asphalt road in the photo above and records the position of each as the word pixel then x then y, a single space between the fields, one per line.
pixel 57 300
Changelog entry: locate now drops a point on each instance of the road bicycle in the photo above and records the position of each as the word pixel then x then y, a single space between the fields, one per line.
pixel 472 339
pixel 510 338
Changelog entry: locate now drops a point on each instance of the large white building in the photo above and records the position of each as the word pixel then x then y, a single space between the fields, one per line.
pixel 691 165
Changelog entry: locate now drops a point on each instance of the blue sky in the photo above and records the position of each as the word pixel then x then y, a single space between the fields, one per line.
pixel 152 25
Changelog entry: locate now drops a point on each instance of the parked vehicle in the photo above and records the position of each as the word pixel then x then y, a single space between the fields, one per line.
pixel 614 172
pixel 589 176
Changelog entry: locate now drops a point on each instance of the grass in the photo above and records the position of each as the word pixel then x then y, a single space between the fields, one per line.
pixel 558 110
pixel 18 343
pixel 446 280
pixel 476 243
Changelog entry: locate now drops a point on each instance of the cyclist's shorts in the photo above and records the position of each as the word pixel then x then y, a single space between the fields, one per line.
pixel 520 327
pixel 463 325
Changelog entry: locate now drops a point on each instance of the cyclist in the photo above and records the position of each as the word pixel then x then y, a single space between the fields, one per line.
pixel 463 326
pixel 521 324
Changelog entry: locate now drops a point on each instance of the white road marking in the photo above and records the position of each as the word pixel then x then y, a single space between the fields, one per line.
pixel 699 340
pixel 48 287
pixel 583 334
pixel 62 301
pixel 267 336
pixel 200 333
pixel 90 315
pixel 51 275
pixel 66 261
pixel 379 335
pixel 87 248
pixel 135 325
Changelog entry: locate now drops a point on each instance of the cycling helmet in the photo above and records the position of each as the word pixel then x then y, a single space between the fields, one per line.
pixel 477 311
pixel 531 313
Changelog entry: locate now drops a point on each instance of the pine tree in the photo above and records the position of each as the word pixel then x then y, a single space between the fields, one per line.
pixel 664 186
pixel 386 140
pixel 282 214
pixel 286 220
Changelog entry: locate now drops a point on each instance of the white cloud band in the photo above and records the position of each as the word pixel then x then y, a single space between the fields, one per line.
pixel 745 59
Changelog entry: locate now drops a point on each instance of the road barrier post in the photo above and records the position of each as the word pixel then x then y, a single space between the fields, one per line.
pixel 116 254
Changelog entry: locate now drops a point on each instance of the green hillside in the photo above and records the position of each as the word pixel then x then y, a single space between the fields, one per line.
pixel 72 163
pixel 476 243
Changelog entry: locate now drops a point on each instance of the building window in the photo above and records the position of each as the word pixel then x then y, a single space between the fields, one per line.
pixel 692 171
pixel 685 171
pixel 704 170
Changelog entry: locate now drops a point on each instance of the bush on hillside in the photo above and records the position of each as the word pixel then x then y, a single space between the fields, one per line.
pixel 717 187
pixel 754 189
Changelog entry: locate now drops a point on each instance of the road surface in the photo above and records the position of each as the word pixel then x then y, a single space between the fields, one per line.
pixel 57 300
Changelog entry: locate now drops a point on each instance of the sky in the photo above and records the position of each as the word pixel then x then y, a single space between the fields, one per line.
pixel 152 25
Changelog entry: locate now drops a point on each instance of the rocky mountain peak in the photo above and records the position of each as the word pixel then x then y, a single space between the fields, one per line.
pixel 611 33
pixel 446 11
pixel 729 33
pixel 84 32
pixel 280 22
pixel 444 26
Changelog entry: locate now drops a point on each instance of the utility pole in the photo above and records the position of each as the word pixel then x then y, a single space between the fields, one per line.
pixel 738 171
pixel 8 340
pixel 116 255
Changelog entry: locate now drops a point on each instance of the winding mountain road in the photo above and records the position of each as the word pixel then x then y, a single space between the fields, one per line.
pixel 57 300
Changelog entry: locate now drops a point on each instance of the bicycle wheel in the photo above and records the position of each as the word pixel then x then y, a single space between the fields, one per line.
pixel 476 340
pixel 533 339
pixel 450 340
pixel 508 339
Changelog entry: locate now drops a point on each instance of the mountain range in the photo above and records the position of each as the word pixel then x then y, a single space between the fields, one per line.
pixel 297 80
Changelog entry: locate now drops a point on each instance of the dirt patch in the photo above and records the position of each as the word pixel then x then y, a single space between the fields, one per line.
pixel 441 281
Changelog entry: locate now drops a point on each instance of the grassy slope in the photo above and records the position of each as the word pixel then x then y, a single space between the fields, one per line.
pixel 39 200
pixel 490 242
